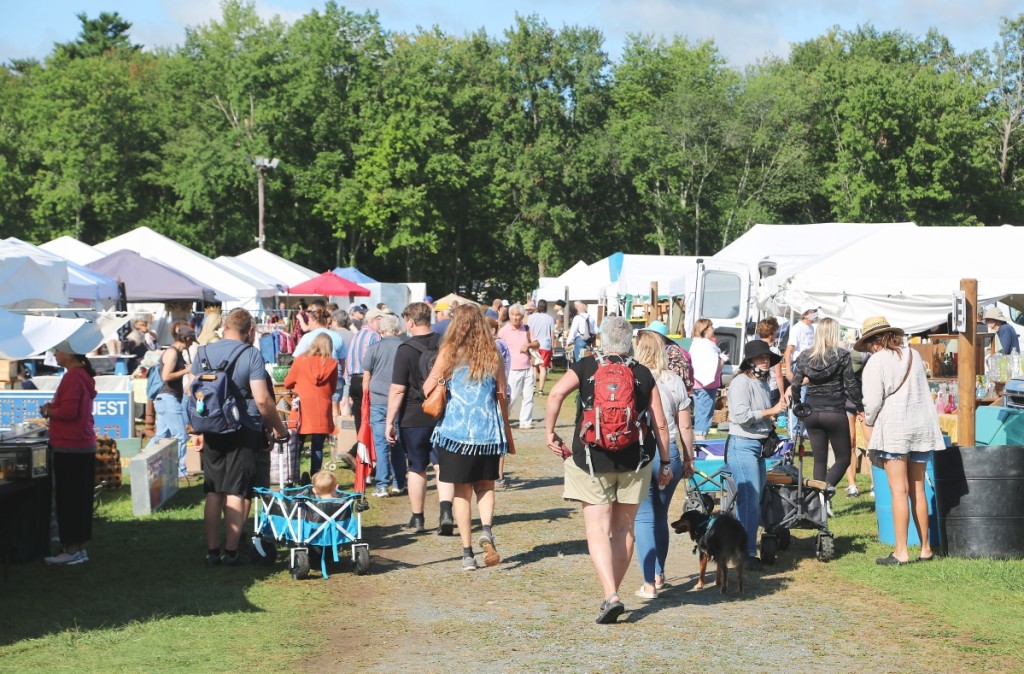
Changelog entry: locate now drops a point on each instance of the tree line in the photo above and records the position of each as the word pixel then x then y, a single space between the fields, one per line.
pixel 478 162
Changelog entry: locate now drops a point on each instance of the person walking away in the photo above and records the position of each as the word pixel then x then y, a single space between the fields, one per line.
pixel 169 402
pixel 707 376
pixel 651 522
pixel 750 421
pixel 542 325
pixel 899 416
pixel 314 377
pixel 829 370
pixel 378 370
pixel 415 427
pixel 73 453
pixel 520 340
pixel 366 336
pixel 610 484
pixel 229 459
pixel 472 436
pixel 581 331
pixel 321 322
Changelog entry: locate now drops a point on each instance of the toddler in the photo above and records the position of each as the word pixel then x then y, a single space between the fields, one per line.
pixel 324 484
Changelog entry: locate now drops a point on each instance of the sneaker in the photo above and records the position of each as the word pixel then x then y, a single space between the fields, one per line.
pixel 852 491
pixel 69 559
pixel 381 492
pixel 212 559
pixel 871 493
pixel 446 526
pixel 399 492
pixel 469 564
pixel 416 524
pixel 526 427
pixel 237 559
pixel 491 556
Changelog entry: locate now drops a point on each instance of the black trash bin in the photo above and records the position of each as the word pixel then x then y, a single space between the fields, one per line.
pixel 980 492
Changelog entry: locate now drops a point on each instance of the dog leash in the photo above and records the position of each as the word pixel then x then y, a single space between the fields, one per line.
pixel 701 534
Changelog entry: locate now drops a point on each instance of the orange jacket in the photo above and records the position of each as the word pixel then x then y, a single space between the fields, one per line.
pixel 314 380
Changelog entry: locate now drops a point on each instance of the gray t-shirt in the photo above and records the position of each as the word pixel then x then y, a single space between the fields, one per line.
pixel 542 326
pixel 379 361
pixel 249 366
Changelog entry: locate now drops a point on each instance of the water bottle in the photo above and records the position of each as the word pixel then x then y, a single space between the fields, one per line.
pixel 781 421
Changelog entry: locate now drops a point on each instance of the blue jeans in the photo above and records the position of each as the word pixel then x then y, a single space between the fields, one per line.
pixel 577 348
pixel 747 466
pixel 170 423
pixel 390 458
pixel 703 409
pixel 651 524
pixel 316 451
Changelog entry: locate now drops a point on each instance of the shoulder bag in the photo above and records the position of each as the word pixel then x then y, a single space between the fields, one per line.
pixel 434 403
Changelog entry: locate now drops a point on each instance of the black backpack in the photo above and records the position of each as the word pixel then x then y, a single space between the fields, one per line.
pixel 215 404
pixel 428 356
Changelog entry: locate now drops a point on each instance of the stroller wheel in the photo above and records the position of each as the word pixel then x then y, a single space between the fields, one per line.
pixel 826 547
pixel 769 545
pixel 264 551
pixel 784 538
pixel 361 559
pixel 300 565
pixel 332 466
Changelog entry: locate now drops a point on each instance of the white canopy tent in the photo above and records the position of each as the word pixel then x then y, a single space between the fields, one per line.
pixel 22 336
pixel 245 269
pixel 30 277
pixel 906 274
pixel 277 267
pixel 72 249
pixel 86 288
pixel 233 289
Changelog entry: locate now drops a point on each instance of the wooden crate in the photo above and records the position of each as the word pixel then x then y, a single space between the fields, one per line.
pixel 108 463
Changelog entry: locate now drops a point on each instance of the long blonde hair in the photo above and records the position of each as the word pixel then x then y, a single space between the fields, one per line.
pixel 211 323
pixel 468 341
pixel 826 340
pixel 650 352
pixel 322 346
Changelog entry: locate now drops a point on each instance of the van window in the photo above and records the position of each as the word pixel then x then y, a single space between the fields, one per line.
pixel 721 298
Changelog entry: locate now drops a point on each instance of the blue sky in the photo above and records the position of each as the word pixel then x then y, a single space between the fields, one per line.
pixel 743 29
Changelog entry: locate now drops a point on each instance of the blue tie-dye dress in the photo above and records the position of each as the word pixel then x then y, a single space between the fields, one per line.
pixel 472 424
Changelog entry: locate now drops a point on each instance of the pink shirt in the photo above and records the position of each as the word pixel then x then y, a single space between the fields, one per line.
pixel 516 340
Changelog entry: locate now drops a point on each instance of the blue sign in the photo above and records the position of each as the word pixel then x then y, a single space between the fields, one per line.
pixel 111 410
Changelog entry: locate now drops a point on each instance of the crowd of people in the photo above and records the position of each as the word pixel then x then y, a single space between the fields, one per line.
pixel 382 367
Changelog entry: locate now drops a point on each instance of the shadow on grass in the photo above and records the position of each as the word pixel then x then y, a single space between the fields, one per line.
pixel 523 484
pixel 540 552
pixel 138 570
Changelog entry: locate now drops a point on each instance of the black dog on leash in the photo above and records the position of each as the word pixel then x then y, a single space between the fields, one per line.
pixel 719 537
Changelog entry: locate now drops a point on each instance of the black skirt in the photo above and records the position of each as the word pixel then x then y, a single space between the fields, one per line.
pixel 466 469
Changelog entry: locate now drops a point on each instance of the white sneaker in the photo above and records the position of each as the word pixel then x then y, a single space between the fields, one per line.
pixel 852 491
pixel 381 492
pixel 525 427
pixel 69 559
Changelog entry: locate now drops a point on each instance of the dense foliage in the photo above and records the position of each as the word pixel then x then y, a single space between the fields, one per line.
pixel 479 162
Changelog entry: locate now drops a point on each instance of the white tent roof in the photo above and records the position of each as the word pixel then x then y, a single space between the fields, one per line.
pixel 86 288
pixel 72 249
pixel 795 246
pixel 246 270
pixel 906 274
pixel 669 271
pixel 277 267
pixel 232 288
pixel 30 277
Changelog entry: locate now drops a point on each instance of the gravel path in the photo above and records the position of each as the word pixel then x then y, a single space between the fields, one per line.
pixel 417 611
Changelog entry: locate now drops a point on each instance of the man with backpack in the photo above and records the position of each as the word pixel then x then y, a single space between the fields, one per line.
pixel 620 424
pixel 229 402
pixel 582 331
pixel 165 387
pixel 413 361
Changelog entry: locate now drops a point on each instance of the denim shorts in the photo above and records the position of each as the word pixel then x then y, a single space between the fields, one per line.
pixel 916 457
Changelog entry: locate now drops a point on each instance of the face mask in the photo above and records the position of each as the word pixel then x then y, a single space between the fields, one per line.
pixel 761 374
pixel 813 318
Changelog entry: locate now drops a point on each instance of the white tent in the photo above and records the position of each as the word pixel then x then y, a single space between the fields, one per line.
pixel 637 272
pixel 72 249
pixel 794 246
pixel 906 274
pixel 30 277
pixel 242 268
pixel 233 289
pixel 22 336
pixel 277 267
pixel 86 288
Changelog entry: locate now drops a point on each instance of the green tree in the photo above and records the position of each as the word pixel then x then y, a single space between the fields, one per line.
pixel 106 34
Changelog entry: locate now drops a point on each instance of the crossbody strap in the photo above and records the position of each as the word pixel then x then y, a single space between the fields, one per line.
pixel 910 361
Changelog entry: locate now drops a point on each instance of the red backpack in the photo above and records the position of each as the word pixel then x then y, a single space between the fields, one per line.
pixel 611 420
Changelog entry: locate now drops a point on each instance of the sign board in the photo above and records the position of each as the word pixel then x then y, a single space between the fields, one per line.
pixel 154 476
pixel 111 410
pixel 959 311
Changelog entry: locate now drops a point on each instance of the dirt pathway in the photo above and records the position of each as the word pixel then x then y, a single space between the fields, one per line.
pixel 417 611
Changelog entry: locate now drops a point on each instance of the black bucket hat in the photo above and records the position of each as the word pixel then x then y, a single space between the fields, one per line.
pixel 755 348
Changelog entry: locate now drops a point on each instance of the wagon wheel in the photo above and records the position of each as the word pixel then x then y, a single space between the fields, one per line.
pixel 826 547
pixel 769 545
pixel 784 538
pixel 361 559
pixel 300 569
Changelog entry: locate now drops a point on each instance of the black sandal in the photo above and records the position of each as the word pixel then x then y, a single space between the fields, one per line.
pixel 890 561
pixel 610 612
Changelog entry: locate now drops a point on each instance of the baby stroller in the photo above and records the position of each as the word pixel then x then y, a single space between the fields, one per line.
pixel 791 502
pixel 701 488
pixel 306 524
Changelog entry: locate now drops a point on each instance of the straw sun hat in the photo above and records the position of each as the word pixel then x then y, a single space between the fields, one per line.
pixel 873 327
pixel 994 314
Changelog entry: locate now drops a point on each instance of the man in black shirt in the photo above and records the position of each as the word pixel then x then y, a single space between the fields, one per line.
pixel 404 404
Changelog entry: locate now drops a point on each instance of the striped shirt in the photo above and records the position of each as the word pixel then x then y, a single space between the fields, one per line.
pixel 356 349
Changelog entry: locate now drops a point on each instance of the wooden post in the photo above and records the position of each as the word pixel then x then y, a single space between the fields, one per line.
pixel 653 315
pixel 967 366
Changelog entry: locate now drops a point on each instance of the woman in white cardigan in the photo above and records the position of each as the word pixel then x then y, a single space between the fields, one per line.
pixel 903 428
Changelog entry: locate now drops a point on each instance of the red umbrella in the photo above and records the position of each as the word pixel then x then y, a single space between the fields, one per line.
pixel 328 283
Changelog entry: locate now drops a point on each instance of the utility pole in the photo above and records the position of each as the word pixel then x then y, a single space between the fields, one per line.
pixel 260 164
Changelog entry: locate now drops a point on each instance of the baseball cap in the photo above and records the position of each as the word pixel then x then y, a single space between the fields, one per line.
pixel 442 306
pixel 428 299
pixel 357 308
pixel 504 303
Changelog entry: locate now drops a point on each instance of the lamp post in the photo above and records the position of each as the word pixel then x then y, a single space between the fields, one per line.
pixel 260 164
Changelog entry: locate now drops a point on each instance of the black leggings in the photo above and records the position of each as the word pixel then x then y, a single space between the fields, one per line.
pixel 825 428
pixel 74 476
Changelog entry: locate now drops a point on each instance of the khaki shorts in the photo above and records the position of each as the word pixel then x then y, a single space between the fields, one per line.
pixel 625 487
